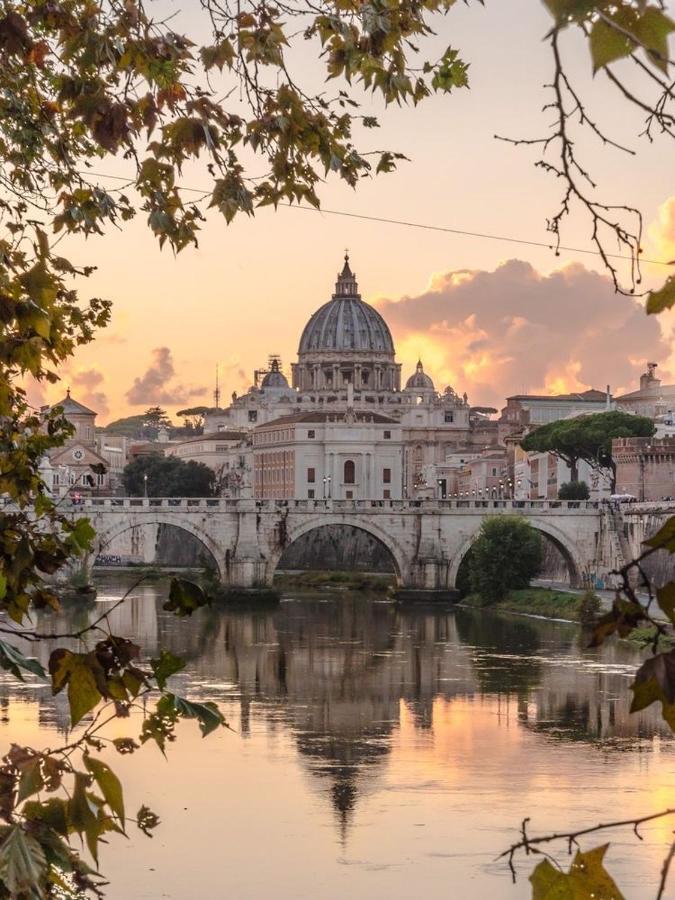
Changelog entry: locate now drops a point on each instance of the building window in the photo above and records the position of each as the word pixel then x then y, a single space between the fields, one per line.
pixel 311 433
pixel 310 494
pixel 349 472
pixel 387 435
pixel 386 476
pixel 494 471
pixel 253 415
pixel 449 415
pixel 386 494
pixel 311 476
pixel 349 495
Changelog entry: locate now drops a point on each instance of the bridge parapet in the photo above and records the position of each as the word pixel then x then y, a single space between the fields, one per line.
pixel 415 506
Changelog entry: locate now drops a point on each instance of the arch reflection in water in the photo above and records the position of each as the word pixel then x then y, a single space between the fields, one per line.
pixel 333 671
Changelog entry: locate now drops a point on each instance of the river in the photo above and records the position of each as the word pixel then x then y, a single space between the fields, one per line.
pixel 376 752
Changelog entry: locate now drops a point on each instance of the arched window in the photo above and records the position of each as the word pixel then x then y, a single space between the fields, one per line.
pixel 350 471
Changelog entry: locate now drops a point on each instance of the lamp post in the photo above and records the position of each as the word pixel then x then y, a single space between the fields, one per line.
pixel 145 485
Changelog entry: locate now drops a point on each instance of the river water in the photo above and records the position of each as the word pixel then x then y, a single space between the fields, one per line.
pixel 377 751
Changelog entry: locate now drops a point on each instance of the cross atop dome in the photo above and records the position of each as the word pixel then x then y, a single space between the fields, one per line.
pixel 346 285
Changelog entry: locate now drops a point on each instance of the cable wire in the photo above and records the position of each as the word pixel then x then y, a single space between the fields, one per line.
pixel 426 227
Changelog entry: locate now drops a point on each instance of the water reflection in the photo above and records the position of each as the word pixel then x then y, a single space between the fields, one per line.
pixel 374 697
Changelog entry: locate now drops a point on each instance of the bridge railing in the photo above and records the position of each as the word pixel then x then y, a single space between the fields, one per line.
pixel 214 504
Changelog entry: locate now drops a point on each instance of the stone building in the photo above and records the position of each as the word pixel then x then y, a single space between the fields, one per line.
pixel 645 467
pixel 347 382
pixel 323 455
pixel 69 467
pixel 653 399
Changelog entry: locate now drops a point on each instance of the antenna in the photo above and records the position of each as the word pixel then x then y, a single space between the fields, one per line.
pixel 216 393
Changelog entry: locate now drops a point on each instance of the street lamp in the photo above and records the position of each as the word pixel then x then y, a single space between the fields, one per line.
pixel 145 485
pixel 328 480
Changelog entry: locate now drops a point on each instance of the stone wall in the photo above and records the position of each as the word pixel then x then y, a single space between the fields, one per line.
pixel 341 547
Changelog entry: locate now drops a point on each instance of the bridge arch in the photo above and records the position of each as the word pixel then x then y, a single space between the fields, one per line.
pixel 365 524
pixel 105 538
pixel 557 537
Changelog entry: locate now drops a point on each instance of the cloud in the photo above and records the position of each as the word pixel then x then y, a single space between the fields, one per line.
pixel 662 231
pixel 154 386
pixel 84 384
pixel 514 329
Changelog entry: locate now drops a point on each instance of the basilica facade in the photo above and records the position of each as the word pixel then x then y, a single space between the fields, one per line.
pixel 344 426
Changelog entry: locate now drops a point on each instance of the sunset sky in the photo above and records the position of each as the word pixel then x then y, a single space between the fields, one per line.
pixel 489 317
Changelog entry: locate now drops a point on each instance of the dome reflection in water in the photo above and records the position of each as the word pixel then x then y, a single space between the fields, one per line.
pixel 379 751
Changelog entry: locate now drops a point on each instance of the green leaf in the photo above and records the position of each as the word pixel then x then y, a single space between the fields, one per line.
pixel 185 597
pixel 208 714
pixel 14 661
pixel 3 585
pixel 664 538
pixel 83 534
pixel 663 298
pixel 109 784
pixel 607 45
pixel 73 670
pixel 30 781
pixel 83 813
pixel 652 30
pixel 665 597
pixel 166 665
pixel 52 812
pixel 22 863
pixel 586 879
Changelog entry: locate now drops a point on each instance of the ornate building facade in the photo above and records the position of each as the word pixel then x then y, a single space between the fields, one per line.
pixel 348 385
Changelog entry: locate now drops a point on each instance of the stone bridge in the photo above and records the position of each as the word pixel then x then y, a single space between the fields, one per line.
pixel 427 539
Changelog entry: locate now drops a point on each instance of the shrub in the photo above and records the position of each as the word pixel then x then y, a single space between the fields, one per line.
pixel 574 490
pixel 505 557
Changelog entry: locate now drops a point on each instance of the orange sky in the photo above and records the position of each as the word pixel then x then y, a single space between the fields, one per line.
pixel 249 288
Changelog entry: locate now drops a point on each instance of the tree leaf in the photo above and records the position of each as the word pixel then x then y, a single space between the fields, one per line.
pixel 73 670
pixel 208 714
pixel 109 784
pixel 662 298
pixel 665 597
pixel 664 538
pixel 586 879
pixel 14 661
pixel 607 44
pixel 22 862
pixel 185 597
pixel 164 666
pixel 30 780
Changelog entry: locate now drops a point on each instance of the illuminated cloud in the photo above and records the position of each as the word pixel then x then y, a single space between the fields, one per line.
pixel 154 385
pixel 514 329
pixel 84 386
pixel 662 231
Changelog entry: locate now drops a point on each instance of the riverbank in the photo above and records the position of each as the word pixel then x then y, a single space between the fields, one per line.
pixel 545 602
pixel 336 580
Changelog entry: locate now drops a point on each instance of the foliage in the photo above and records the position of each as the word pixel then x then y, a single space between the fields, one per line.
pixel 574 490
pixel 587 437
pixel 617 32
pixel 81 83
pixel 654 682
pixel 546 602
pixel 168 476
pixel 506 556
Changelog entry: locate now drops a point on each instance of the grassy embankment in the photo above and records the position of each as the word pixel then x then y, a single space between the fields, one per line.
pixel 546 602
pixel 346 581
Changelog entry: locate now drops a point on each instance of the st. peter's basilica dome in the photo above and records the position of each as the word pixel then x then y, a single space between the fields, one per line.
pixel 346 323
